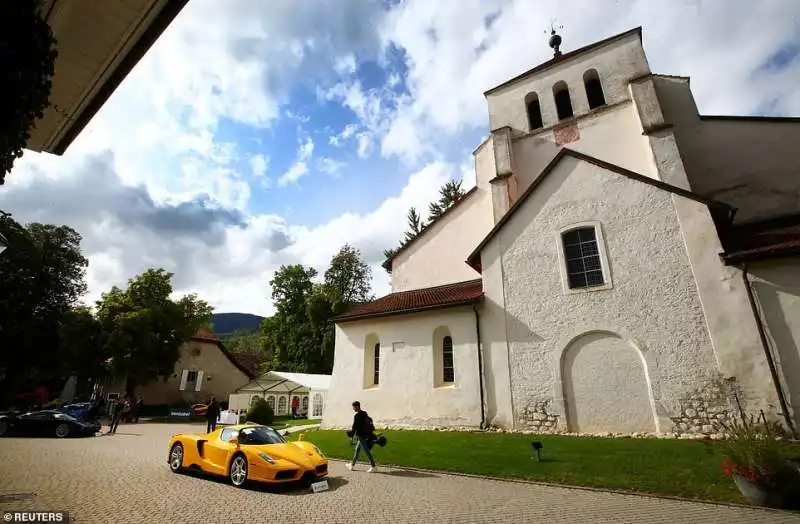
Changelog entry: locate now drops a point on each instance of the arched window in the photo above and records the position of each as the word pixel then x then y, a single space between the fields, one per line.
pixel 281 405
pixel 376 364
pixel 448 371
pixel 305 404
pixel 582 257
pixel 372 360
pixel 443 359
pixel 271 402
pixel 317 405
pixel 594 89
pixel 534 112
pixel 563 101
pixel 255 399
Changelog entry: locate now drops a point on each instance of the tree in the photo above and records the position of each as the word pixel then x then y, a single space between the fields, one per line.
pixel 81 349
pixel 245 342
pixel 449 193
pixel 301 332
pixel 415 224
pixel 28 54
pixel 350 276
pixel 144 329
pixel 42 278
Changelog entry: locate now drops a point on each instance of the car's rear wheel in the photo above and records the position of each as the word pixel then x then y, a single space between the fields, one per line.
pixel 238 472
pixel 176 457
pixel 62 430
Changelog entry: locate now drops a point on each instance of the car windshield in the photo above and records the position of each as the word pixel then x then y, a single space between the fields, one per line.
pixel 260 435
pixel 47 415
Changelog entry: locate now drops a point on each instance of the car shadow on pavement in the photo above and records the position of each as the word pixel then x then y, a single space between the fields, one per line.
pixel 293 489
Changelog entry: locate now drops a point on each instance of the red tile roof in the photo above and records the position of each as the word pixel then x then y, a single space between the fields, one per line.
pixel 204 335
pixel 249 361
pixel 449 295
pixel 767 239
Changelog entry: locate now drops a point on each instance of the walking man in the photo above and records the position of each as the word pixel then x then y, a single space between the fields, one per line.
pixel 212 415
pixel 116 415
pixel 363 430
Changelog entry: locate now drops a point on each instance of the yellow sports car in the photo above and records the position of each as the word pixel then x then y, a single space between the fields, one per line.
pixel 248 452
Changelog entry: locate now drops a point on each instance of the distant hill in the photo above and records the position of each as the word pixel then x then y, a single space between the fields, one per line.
pixel 227 323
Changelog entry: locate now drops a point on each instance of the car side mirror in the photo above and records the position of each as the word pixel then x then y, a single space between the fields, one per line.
pixel 234 441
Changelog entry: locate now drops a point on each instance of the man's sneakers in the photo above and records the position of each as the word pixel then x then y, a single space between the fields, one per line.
pixel 349 466
pixel 371 469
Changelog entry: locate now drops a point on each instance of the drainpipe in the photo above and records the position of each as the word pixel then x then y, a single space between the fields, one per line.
pixel 765 345
pixel 480 366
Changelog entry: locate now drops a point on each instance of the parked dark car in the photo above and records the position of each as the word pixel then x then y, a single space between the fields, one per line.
pixel 45 423
pixel 78 410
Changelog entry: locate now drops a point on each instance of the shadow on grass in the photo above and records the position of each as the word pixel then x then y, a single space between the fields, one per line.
pixel 287 488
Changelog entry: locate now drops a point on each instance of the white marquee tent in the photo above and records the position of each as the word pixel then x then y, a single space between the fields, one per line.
pixel 279 388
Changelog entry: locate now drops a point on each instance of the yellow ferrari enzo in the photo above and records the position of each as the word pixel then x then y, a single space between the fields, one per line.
pixel 248 452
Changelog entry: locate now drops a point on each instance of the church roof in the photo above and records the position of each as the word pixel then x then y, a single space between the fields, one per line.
pixel 565 57
pixel 387 265
pixel 425 299
pixel 763 240
pixel 474 258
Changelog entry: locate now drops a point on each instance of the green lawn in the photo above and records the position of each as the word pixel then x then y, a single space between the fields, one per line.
pixel 682 468
pixel 283 423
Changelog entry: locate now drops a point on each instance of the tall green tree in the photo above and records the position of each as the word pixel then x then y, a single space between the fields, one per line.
pixel 415 224
pixel 144 328
pixel 449 193
pixel 27 55
pixel 82 352
pixel 301 333
pixel 42 278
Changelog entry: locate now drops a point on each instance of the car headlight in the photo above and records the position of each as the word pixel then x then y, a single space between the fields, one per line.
pixel 266 457
pixel 319 452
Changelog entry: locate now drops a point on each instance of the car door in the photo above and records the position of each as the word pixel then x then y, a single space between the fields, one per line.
pixel 34 424
pixel 217 451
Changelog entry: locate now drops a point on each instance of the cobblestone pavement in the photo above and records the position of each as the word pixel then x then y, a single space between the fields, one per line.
pixel 125 479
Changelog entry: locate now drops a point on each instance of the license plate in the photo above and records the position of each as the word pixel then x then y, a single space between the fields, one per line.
pixel 322 485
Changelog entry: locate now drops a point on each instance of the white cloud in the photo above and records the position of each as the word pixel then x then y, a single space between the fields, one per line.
pixel 300 167
pixel 171 193
pixel 330 166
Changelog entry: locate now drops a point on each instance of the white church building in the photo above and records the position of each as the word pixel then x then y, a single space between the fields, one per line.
pixel 624 264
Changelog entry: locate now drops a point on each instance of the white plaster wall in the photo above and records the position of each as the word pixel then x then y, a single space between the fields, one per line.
pixel 616 63
pixel 406 396
pixel 777 288
pixel 438 256
pixel 613 134
pixel 722 293
pixel 484 163
pixel 653 304
pixel 749 164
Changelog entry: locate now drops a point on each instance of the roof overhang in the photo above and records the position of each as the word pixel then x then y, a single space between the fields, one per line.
pixel 99 43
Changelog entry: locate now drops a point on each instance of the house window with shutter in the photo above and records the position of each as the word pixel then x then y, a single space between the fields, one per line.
pixel 191 380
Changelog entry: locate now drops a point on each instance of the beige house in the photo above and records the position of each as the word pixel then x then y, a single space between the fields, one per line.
pixel 204 369
pixel 624 264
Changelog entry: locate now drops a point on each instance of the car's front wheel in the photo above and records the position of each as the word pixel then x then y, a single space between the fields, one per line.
pixel 238 472
pixel 176 457
pixel 62 430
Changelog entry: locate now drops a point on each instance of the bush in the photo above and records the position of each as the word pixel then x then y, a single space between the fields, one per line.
pixel 260 413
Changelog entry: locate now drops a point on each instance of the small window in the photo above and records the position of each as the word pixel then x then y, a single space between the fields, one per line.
pixel 191 381
pixel 282 404
pixel 317 405
pixel 563 101
pixel 271 403
pixel 594 89
pixel 534 110
pixel 376 367
pixel 305 404
pixel 448 369
pixel 582 257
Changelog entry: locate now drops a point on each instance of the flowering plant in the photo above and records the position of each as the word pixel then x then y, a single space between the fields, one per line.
pixel 756 450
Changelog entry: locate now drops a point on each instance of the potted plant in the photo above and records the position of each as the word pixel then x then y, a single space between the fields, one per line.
pixel 757 459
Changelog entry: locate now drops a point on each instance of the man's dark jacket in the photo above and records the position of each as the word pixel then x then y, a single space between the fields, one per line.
pixel 360 426
pixel 212 412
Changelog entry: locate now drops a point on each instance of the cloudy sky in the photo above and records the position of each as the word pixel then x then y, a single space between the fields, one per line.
pixel 256 134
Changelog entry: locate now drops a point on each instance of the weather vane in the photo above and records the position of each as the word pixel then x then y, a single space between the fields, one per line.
pixel 555 39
